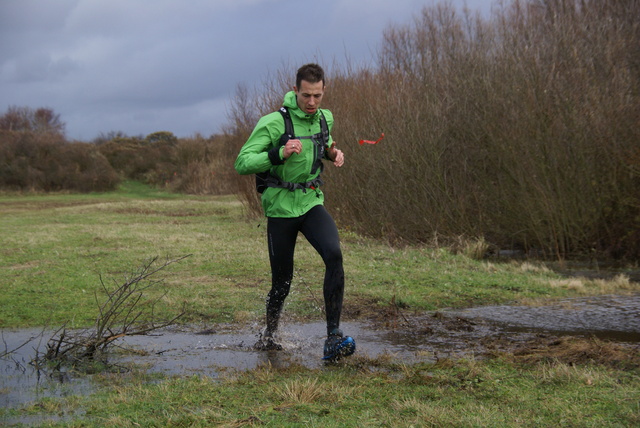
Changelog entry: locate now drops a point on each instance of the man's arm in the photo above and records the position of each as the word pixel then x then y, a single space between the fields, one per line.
pixel 259 153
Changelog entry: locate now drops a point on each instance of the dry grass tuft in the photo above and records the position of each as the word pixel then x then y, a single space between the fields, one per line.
pixel 573 351
pixel 301 391
pixel 533 268
pixel 574 284
pixel 618 284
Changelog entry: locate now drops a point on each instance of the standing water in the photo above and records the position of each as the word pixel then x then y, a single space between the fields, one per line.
pixel 414 338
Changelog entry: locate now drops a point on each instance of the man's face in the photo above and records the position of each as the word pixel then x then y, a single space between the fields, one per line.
pixel 309 96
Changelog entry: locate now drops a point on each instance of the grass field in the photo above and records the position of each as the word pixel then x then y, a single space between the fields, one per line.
pixel 58 249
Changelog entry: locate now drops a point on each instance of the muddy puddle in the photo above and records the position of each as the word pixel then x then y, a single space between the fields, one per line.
pixel 408 337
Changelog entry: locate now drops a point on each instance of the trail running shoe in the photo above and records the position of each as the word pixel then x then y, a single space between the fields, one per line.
pixel 337 346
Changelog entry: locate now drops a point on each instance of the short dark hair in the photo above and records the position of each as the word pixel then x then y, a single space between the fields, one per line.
pixel 311 73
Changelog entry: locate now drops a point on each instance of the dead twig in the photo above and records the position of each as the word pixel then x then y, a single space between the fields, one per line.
pixel 126 311
pixel 7 352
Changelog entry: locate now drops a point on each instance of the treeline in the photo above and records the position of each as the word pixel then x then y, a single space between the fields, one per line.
pixel 43 161
pixel 520 129
pixel 194 165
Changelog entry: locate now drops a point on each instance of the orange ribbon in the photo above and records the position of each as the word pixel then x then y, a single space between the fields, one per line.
pixel 372 142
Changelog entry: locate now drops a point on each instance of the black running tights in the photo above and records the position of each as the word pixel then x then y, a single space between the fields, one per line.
pixel 320 230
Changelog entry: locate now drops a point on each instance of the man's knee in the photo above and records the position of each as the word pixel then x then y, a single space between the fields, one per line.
pixel 333 257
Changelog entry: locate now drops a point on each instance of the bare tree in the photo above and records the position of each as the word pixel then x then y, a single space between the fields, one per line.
pixel 41 121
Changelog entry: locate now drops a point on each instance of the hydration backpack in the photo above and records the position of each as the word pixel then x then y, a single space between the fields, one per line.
pixel 269 179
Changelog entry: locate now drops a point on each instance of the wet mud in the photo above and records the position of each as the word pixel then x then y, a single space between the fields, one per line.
pixel 606 317
pixel 407 337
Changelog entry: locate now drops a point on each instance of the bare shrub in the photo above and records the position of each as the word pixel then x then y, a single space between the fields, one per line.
pixel 195 165
pixel 46 162
pixel 205 166
pixel 502 128
pixel 125 311
pixel 147 160
pixel 42 120
pixel 520 127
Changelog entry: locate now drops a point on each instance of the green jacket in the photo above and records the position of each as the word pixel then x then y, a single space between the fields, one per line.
pixel 253 158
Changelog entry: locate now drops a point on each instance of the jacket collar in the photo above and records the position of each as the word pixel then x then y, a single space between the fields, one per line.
pixel 291 103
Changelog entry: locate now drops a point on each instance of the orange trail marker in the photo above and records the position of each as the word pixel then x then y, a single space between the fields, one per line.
pixel 372 142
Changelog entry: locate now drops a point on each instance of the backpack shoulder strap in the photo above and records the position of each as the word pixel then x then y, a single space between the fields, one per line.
pixel 288 125
pixel 324 128
pixel 265 179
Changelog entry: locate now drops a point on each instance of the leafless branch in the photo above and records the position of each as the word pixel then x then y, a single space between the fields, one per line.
pixel 126 311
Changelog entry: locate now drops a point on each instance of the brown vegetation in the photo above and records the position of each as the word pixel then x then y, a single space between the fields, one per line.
pixel 40 121
pixel 521 129
pixel 576 350
pixel 31 161
pixel 47 162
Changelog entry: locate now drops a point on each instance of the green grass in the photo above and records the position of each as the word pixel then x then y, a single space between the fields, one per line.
pixel 465 393
pixel 57 248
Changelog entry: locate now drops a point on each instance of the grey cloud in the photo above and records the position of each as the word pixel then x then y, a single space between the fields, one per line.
pixel 148 65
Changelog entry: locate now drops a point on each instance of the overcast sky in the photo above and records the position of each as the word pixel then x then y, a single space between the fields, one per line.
pixel 141 66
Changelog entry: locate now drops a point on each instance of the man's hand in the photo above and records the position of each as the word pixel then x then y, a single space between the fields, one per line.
pixel 335 155
pixel 292 146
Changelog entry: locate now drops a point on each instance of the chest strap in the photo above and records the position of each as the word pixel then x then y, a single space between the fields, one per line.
pixel 274 181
